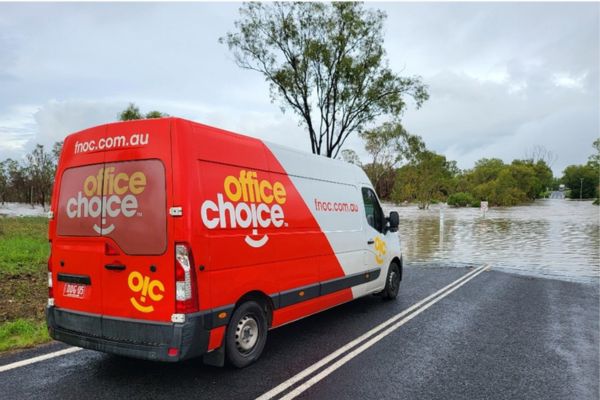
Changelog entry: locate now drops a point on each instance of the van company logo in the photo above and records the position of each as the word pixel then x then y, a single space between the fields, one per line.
pixel 380 250
pixel 109 193
pixel 246 202
pixel 151 289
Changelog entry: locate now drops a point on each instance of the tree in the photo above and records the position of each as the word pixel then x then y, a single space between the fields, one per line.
pixel 595 158
pixel 155 114
pixel 388 145
pixel 351 157
pixel 133 112
pixel 56 150
pixel 3 181
pixel 130 113
pixel 41 170
pixel 544 175
pixel 582 180
pixel 505 185
pixel 486 169
pixel 541 153
pixel 424 179
pixel 30 180
pixel 19 182
pixel 325 62
pixel 526 179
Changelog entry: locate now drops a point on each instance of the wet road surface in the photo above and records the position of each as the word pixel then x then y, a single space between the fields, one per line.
pixel 498 336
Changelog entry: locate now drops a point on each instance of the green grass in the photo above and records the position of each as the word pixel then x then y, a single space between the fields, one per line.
pixel 22 333
pixel 24 246
pixel 24 251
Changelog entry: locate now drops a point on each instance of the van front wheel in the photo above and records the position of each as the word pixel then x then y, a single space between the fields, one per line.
pixel 392 282
pixel 246 334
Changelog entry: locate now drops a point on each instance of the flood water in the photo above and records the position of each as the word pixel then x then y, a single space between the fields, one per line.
pixel 552 238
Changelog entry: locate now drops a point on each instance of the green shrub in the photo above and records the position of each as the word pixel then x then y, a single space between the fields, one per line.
pixel 461 199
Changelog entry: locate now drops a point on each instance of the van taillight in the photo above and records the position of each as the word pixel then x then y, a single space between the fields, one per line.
pixel 50 285
pixel 186 298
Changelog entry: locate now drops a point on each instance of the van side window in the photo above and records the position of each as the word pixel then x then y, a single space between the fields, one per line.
pixel 373 210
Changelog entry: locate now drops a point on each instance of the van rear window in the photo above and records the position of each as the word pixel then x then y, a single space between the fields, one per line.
pixel 125 201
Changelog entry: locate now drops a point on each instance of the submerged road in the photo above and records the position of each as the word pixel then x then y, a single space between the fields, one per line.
pixel 557 195
pixel 492 335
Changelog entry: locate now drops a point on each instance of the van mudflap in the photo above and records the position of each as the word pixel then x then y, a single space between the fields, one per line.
pixel 128 337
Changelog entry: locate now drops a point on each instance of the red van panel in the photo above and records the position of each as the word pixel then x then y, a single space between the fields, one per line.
pixel 127 195
pixel 112 219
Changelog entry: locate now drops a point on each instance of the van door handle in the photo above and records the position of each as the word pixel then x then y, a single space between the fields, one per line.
pixel 371 241
pixel 115 267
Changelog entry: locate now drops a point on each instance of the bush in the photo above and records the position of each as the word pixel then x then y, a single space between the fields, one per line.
pixel 461 199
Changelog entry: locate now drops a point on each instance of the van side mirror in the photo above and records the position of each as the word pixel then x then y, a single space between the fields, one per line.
pixel 394 221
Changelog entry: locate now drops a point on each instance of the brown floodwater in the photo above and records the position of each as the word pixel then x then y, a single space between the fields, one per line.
pixel 552 238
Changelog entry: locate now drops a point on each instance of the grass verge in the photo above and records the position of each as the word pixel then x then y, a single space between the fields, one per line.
pixel 22 333
pixel 24 252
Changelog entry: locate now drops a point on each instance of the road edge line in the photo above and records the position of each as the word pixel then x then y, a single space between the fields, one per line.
pixel 324 373
pixel 355 342
pixel 36 359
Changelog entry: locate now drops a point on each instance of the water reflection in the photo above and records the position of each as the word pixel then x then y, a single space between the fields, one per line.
pixel 558 238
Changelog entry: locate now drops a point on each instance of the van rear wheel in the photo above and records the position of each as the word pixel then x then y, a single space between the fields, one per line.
pixel 246 334
pixel 392 282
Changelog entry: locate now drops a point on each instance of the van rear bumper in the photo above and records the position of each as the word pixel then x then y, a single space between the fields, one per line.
pixel 128 337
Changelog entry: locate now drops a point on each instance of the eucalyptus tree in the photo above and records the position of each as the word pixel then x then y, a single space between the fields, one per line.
pixel 325 62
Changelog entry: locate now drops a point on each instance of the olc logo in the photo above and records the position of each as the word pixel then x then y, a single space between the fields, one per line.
pixel 257 204
pixel 380 250
pixel 139 283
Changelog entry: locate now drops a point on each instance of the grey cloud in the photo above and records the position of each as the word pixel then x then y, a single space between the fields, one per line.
pixel 492 69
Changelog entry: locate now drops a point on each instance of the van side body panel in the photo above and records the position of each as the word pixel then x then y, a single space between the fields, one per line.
pixel 296 253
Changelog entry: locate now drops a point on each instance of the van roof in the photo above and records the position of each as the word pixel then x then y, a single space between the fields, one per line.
pixel 318 163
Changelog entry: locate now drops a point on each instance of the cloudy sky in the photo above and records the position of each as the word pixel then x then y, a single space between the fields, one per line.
pixel 503 77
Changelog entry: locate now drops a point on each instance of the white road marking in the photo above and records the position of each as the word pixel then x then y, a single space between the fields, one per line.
pixel 301 375
pixel 368 344
pixel 296 378
pixel 34 360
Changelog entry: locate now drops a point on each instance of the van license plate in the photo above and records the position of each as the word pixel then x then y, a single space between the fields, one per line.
pixel 74 290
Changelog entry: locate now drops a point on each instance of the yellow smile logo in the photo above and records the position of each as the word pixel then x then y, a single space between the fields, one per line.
pixel 146 287
pixel 379 250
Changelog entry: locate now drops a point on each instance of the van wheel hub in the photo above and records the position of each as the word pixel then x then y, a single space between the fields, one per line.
pixel 246 334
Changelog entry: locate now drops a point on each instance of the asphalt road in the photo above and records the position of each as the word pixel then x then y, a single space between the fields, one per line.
pixel 557 195
pixel 497 336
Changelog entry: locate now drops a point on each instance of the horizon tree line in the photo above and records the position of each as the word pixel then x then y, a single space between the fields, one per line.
pixel 401 169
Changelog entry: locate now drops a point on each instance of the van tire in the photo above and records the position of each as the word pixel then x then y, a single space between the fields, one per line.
pixel 392 282
pixel 246 334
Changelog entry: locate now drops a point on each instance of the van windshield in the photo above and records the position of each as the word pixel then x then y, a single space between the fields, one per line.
pixel 125 201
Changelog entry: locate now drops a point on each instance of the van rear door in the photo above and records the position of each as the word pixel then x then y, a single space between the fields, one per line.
pixel 132 260
pixel 77 248
pixel 138 278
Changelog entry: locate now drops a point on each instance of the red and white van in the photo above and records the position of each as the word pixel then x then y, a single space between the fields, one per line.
pixel 171 239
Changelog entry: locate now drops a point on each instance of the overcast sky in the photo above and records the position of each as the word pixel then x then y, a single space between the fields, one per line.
pixel 503 78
